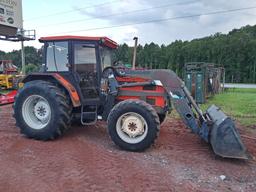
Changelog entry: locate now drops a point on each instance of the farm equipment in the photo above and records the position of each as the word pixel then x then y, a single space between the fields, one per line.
pixel 9 77
pixel 203 80
pixel 79 80
pixel 7 98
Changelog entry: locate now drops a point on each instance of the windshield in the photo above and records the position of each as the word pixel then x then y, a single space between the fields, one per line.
pixel 106 56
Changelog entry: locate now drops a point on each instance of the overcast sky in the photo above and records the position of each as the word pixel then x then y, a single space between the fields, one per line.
pixel 73 17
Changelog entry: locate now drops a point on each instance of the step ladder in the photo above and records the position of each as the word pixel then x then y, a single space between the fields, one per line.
pixel 93 112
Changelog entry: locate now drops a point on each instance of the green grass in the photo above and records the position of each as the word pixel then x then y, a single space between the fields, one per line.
pixel 4 91
pixel 240 104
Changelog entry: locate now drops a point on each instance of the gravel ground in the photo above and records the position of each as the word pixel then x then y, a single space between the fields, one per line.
pixel 85 159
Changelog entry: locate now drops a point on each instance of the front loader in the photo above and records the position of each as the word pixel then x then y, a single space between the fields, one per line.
pixel 78 81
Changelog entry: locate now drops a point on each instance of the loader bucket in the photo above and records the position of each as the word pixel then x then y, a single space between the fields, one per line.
pixel 224 137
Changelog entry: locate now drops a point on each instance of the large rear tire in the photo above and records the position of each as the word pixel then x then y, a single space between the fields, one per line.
pixel 133 125
pixel 42 111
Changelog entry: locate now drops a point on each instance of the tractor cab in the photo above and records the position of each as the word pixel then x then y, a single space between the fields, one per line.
pixel 77 53
pixel 80 60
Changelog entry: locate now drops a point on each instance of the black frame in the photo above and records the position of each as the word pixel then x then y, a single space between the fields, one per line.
pixel 98 61
pixel 71 59
pixel 45 56
pixel 71 74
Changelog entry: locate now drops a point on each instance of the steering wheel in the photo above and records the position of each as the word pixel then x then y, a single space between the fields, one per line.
pixel 111 71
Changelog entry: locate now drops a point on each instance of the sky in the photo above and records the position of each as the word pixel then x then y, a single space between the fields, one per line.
pixel 121 20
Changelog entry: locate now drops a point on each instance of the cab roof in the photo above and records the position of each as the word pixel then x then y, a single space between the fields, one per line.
pixel 104 40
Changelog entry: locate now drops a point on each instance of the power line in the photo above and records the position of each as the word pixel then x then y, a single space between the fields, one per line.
pixel 123 13
pixel 162 20
pixel 65 12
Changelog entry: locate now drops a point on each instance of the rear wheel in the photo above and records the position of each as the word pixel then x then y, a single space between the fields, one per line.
pixel 42 111
pixel 133 125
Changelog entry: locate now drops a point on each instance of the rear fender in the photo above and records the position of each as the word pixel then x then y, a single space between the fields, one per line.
pixel 57 78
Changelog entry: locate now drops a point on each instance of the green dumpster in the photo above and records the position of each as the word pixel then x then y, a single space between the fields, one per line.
pixel 194 81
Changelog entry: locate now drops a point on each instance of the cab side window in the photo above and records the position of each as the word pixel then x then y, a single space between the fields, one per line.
pixel 57 56
pixel 85 57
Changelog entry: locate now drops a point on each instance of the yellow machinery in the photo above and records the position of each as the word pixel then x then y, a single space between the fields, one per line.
pixel 8 75
pixel 7 81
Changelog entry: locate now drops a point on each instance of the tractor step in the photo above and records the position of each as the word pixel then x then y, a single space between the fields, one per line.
pixel 89 114
pixel 91 101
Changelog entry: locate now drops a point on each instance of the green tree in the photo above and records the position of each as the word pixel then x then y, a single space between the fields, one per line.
pixel 30 68
pixel 235 51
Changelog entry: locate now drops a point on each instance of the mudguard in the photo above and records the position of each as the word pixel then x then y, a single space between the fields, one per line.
pixel 74 96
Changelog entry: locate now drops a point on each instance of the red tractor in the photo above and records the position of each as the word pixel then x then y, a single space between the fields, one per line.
pixel 78 79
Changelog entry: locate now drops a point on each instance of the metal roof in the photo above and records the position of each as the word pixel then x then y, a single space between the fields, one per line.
pixel 105 40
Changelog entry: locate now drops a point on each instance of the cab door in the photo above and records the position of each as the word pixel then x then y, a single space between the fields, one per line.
pixel 85 65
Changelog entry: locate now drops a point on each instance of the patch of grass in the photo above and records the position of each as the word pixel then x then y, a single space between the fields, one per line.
pixel 4 91
pixel 240 104
pixel 239 90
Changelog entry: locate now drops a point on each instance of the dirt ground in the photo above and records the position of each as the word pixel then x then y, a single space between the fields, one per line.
pixel 85 159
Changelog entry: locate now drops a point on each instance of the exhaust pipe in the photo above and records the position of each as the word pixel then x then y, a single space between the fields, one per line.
pixel 134 53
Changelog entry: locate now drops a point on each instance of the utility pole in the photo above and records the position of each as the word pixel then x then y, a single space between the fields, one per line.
pixel 134 53
pixel 22 53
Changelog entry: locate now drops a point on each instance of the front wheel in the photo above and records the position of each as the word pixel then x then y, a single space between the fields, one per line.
pixel 133 125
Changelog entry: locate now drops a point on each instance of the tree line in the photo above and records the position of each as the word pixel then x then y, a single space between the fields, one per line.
pixel 235 51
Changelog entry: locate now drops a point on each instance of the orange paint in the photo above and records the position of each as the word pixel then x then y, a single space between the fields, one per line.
pixel 158 100
pixel 72 91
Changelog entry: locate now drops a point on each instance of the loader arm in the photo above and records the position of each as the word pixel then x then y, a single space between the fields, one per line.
pixel 213 126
